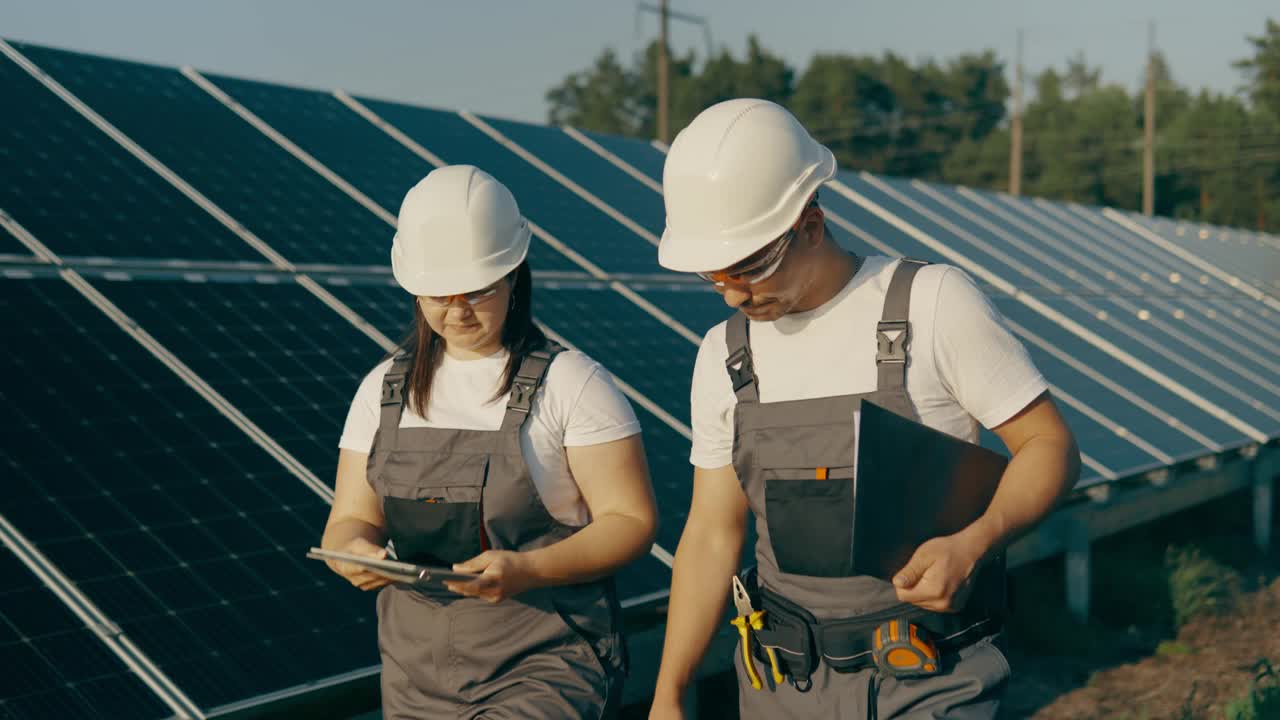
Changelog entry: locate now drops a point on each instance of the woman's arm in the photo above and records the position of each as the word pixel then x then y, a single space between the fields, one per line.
pixel 355 521
pixel 614 480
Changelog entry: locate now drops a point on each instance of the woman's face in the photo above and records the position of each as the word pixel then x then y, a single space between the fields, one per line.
pixel 470 324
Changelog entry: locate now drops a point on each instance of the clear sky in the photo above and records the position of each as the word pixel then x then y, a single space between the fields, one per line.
pixel 499 58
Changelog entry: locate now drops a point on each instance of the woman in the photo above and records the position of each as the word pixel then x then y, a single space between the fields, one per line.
pixel 482 445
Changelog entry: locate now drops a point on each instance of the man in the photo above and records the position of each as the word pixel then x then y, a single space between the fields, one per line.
pixel 777 392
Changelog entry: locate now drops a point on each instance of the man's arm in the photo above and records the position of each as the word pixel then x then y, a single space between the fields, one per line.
pixel 706 560
pixel 1044 468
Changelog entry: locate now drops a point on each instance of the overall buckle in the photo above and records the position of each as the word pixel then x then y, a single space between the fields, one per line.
pixel 891 341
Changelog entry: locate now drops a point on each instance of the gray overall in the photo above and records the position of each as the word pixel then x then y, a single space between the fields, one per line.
pixel 447 495
pixel 796 460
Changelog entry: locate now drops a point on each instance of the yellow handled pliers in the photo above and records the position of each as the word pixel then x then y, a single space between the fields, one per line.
pixel 751 619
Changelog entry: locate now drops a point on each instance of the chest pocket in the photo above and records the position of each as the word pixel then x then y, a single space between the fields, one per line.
pixel 808 477
pixel 437 518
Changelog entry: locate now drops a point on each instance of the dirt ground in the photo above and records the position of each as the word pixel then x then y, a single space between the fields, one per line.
pixel 1194 676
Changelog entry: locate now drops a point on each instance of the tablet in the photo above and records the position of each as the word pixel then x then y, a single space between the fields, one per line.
pixel 401 572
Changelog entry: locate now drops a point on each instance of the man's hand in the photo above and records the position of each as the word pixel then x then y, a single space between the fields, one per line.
pixel 937 577
pixel 503 574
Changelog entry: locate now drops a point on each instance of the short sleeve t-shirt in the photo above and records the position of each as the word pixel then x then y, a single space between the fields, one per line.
pixel 578 404
pixel 965 366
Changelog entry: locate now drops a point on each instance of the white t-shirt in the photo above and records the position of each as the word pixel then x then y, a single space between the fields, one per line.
pixel 965 366
pixel 576 405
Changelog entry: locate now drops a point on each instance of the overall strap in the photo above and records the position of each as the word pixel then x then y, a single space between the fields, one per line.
pixel 529 377
pixel 393 383
pixel 742 371
pixel 893 334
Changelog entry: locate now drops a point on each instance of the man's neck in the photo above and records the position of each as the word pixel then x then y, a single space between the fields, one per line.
pixel 836 268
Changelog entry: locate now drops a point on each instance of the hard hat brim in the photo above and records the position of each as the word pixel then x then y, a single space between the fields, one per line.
pixel 457 281
pixel 702 254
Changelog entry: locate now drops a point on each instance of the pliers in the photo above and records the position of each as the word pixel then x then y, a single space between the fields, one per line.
pixel 751 619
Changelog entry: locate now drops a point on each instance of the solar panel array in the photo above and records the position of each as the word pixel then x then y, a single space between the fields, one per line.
pixel 194 273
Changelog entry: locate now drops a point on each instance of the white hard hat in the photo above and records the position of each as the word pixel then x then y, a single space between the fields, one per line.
pixel 735 180
pixel 459 230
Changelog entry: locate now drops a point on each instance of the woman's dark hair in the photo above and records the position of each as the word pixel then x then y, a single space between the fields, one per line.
pixel 520 336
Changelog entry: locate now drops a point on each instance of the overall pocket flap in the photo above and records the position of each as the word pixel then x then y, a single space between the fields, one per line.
pixel 420 475
pixel 805 446
pixel 454 480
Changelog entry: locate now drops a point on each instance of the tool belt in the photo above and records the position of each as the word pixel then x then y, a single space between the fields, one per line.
pixel 847 645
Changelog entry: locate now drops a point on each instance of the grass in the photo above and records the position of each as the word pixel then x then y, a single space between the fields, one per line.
pixel 1198 584
pixel 1262 702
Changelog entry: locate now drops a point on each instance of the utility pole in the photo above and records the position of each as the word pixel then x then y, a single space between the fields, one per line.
pixel 1149 128
pixel 1015 149
pixel 664 84
pixel 665 15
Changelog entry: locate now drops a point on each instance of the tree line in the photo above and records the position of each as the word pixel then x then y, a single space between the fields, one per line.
pixel 1217 153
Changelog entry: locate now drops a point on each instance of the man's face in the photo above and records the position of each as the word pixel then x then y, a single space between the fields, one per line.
pixel 772 281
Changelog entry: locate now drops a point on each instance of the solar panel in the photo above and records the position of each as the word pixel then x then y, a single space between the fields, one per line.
pixel 639 154
pixel 354 148
pixel 694 305
pixel 1104 317
pixel 1253 258
pixel 566 216
pixel 893 240
pixel 588 169
pixel 11 249
pixel 294 210
pixel 83 195
pixel 277 353
pixel 1092 272
pixel 54 665
pixel 170 519
pixel 1196 274
pixel 633 345
pixel 1162 274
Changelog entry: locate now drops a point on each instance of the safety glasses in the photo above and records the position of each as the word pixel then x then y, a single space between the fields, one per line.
pixel 472 298
pixel 755 269
pixel 761 265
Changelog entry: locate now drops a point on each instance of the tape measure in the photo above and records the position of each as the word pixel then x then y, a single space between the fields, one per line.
pixel 905 650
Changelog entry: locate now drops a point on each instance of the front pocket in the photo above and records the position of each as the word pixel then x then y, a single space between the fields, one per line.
pixel 436 530
pixel 811 520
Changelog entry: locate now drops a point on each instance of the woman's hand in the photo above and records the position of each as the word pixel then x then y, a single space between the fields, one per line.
pixel 361 577
pixel 503 574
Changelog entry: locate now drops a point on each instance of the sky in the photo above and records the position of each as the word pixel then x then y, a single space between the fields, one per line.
pixel 499 58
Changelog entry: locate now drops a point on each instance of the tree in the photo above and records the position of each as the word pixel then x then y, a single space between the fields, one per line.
pixel 1262 71
pixel 606 98
pixel 611 98
pixel 885 115
pixel 1217 156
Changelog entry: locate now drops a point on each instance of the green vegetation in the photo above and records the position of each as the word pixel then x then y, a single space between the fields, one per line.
pixel 1262 702
pixel 1217 155
pixel 1198 584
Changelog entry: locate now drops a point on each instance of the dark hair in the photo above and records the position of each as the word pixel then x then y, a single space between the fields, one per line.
pixel 520 336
